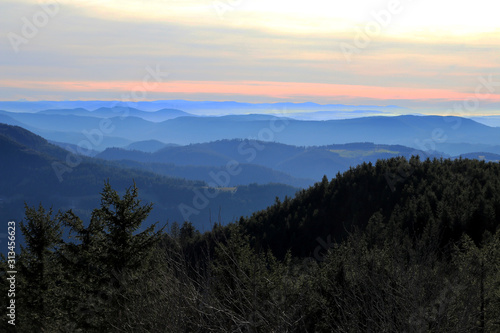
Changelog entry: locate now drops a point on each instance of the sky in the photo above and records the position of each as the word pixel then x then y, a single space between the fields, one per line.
pixel 432 57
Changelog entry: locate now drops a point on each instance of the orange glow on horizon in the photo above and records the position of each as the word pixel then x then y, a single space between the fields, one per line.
pixel 139 90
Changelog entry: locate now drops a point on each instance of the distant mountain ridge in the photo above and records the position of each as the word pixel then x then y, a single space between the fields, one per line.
pixel 149 146
pixel 451 135
pixel 35 171
pixel 249 174
pixel 299 162
pixel 29 175
pixel 482 156
pixel 201 107
pixel 104 112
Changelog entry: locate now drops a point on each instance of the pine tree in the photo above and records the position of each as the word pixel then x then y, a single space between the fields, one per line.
pixel 39 270
pixel 110 258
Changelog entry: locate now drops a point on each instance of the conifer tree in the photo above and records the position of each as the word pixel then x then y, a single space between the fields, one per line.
pixel 110 257
pixel 39 270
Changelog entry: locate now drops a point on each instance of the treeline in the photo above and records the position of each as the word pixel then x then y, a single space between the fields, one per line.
pixel 400 246
pixel 453 197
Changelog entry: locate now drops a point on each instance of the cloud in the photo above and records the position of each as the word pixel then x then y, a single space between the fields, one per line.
pixel 291 47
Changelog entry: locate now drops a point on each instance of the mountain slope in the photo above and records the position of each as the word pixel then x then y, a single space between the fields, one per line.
pixel 111 112
pixel 29 142
pixel 246 174
pixel 482 156
pixel 299 162
pixel 199 107
pixel 446 197
pixel 434 133
pixel 148 146
pixel 36 171
pixel 420 132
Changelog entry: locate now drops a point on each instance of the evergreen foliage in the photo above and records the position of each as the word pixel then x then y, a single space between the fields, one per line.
pixel 399 246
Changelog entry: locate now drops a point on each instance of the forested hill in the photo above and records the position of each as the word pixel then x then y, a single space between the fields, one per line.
pixel 399 246
pixel 34 171
pixel 443 197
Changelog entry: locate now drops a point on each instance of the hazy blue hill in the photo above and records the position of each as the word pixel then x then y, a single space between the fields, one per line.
pixel 22 136
pixel 454 149
pixel 186 130
pixel 267 154
pixel 315 163
pixel 183 155
pixel 422 132
pixel 26 160
pixel 298 162
pixel 251 117
pixel 318 161
pixel 445 134
pixel 35 106
pixel 29 142
pixel 56 122
pixel 191 155
pixel 245 151
pixel 115 126
pixel 6 119
pixel 27 175
pixel 65 112
pixel 487 157
pixel 75 148
pixel 111 112
pixel 244 108
pixel 413 131
pixel 116 110
pixel 148 146
pixel 227 107
pixel 216 153
pixel 360 150
pixel 493 121
pixel 338 114
pixel 174 113
pixel 85 142
pixel 17 157
pixel 111 154
pixel 77 129
pixel 250 173
pixel 155 116
pixel 74 129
